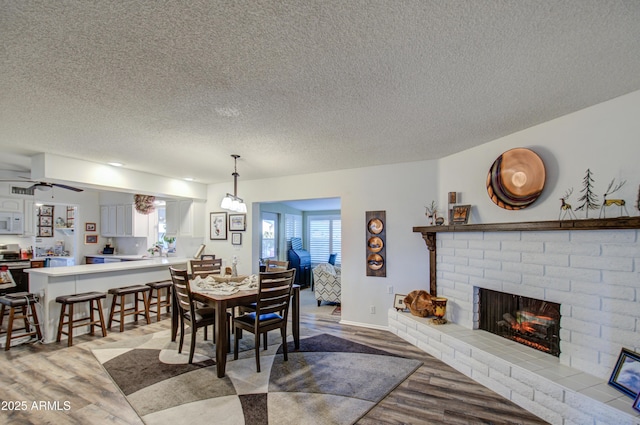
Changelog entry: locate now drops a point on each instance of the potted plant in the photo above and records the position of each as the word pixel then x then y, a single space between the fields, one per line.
pixel 171 243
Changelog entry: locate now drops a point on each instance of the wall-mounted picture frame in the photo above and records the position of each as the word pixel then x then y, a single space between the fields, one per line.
pixel 46 210
pixel 90 227
pixel 237 222
pixel 636 403
pixel 236 239
pixel 398 302
pixel 626 374
pixel 218 226
pixel 460 214
pixel 90 239
pixel 45 231
pixel 46 220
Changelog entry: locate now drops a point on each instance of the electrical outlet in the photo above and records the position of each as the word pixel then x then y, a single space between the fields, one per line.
pixel 372 309
pixel 389 289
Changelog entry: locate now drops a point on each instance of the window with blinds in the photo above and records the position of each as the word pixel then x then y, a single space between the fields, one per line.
pixel 325 237
pixel 292 227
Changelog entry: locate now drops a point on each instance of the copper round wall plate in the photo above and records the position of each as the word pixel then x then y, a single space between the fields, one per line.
pixel 375 262
pixel 516 179
pixel 375 226
pixel 375 244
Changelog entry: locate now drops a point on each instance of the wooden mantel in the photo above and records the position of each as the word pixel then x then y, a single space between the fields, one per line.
pixel 429 232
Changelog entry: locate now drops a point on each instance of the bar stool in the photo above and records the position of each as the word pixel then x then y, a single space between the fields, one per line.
pixel 27 304
pixel 118 300
pixel 93 298
pixel 158 287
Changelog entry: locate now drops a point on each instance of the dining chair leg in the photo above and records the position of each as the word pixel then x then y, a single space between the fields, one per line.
pixel 283 332
pixel 192 347
pixel 265 340
pixel 181 336
pixel 257 344
pixel 235 343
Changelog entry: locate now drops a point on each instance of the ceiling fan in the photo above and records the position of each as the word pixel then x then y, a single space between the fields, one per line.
pixel 44 185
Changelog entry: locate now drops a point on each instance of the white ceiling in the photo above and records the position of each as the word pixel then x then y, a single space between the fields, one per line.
pixel 298 86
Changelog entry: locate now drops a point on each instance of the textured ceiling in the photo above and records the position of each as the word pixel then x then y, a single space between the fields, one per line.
pixel 299 86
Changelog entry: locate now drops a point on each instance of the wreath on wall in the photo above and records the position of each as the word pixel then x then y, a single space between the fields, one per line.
pixel 144 204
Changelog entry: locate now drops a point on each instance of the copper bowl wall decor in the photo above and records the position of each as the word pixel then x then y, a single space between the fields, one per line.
pixel 516 179
pixel 375 244
pixel 375 226
pixel 375 262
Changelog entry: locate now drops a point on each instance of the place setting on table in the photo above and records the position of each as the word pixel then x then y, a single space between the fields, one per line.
pixel 223 284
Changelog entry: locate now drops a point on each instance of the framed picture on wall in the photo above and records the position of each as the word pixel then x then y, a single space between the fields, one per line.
pixel 237 222
pixel 236 239
pixel 90 239
pixel 90 227
pixel 218 226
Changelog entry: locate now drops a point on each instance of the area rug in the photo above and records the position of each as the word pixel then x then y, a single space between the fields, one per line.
pixel 329 380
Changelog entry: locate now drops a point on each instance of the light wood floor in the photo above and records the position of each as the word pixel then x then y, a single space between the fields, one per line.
pixel 434 394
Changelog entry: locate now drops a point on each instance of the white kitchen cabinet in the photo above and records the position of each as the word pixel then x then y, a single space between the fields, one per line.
pixel 135 223
pixel 123 220
pixel 29 217
pixel 185 218
pixel 11 204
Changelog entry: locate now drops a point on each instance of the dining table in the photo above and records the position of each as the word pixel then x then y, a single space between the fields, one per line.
pixel 221 304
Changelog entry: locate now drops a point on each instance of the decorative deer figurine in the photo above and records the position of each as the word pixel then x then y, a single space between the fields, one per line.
pixel 613 202
pixel 565 207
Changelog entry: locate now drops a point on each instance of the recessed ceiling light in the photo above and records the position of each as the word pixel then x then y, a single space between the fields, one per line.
pixel 189 179
pixel 116 164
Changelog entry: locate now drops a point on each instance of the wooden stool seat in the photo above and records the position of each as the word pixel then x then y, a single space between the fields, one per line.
pixel 158 287
pixel 118 304
pixel 26 302
pixel 93 298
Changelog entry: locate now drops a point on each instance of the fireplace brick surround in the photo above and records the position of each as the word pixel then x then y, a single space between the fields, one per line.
pixel 593 274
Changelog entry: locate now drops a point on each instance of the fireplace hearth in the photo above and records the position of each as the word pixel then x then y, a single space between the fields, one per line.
pixel 532 322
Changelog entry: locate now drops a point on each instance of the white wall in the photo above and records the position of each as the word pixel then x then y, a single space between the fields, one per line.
pixel 604 138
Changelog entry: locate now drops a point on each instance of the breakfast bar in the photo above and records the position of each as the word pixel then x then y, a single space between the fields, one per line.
pixel 50 283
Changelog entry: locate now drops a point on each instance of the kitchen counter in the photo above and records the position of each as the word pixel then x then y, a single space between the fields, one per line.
pixel 50 283
pixel 122 257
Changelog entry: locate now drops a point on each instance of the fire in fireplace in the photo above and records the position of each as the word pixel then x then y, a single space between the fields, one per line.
pixel 529 321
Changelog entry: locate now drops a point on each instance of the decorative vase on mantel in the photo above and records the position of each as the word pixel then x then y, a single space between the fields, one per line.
pixel 440 309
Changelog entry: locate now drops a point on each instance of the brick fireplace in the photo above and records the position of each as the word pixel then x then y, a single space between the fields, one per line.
pixel 592 271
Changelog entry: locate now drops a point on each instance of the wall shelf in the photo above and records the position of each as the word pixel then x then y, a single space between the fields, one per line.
pixel 429 232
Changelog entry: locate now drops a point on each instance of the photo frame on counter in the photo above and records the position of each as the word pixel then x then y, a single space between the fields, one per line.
pixel 237 222
pixel 626 374
pixel 236 239
pixel 398 302
pixel 218 226
pixel 90 227
pixel 90 239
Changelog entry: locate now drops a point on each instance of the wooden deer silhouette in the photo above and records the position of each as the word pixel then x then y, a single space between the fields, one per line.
pixel 613 202
pixel 565 207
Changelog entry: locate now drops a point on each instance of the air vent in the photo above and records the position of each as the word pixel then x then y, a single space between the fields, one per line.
pixel 22 190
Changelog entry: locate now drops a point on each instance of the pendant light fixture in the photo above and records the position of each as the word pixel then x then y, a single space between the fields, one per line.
pixel 232 202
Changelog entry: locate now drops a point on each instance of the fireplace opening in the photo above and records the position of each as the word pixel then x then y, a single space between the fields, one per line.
pixel 532 322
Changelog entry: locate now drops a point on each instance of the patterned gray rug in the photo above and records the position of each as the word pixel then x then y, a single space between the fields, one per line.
pixel 329 380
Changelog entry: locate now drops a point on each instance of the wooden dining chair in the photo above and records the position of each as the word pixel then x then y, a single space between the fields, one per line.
pixel 204 268
pixel 272 308
pixel 196 318
pixel 276 266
